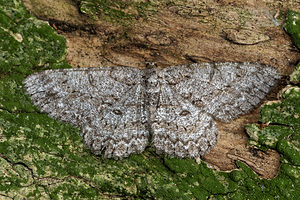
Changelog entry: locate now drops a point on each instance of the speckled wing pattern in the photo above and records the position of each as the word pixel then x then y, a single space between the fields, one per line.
pixel 120 108
pixel 107 103
pixel 192 96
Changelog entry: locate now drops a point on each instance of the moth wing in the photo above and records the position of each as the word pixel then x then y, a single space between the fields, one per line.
pixel 224 90
pixel 106 102
pixel 192 96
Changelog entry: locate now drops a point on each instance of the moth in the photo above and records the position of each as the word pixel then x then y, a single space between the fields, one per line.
pixel 122 109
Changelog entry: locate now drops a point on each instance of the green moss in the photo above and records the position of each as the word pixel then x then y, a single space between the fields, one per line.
pixel 282 134
pixel 295 76
pixel 41 158
pixel 292 26
pixel 286 112
pixel 269 136
pixel 12 95
pixel 27 43
pixel 283 131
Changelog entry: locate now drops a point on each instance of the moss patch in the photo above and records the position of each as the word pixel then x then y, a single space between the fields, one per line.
pixel 283 130
pixel 41 158
pixel 27 44
pixel 292 26
pixel 295 76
